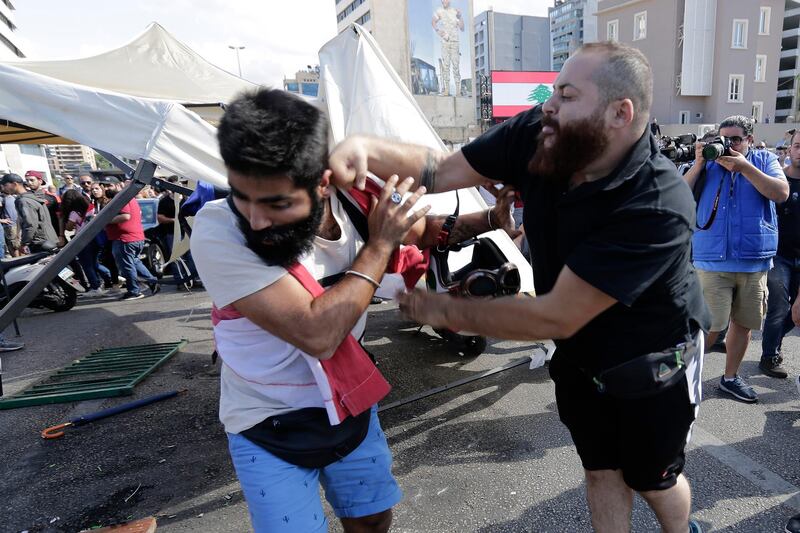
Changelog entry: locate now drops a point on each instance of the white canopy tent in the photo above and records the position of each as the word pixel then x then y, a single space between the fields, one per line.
pixel 153 65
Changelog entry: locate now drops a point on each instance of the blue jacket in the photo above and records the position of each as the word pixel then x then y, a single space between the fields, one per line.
pixel 746 226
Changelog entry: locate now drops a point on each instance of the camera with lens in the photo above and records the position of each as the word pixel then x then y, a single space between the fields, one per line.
pixel 717 148
pixel 679 149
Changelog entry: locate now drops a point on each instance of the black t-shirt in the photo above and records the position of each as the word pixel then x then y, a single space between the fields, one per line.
pixel 789 222
pixel 628 234
pixel 166 207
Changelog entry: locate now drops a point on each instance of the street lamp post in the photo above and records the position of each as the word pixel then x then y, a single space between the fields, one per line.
pixel 238 62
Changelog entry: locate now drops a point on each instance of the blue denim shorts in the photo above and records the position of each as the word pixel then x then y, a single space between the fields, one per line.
pixel 285 497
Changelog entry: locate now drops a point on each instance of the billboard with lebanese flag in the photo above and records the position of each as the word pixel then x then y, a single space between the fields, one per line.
pixel 513 92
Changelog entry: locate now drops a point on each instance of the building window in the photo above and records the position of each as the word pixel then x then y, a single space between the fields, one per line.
pixel 735 84
pixel 758 111
pixel 763 20
pixel 640 26
pixel 761 68
pixel 739 37
pixel 684 117
pixel 30 149
pixel 612 30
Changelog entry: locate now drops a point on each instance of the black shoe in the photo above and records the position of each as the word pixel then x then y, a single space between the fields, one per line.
pixel 155 287
pixel 132 296
pixel 771 366
pixel 719 346
pixel 793 525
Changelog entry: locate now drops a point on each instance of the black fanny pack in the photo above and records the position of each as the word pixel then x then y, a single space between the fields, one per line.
pixel 306 438
pixel 647 374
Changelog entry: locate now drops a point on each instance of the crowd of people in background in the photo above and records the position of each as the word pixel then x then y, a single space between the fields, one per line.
pixel 37 216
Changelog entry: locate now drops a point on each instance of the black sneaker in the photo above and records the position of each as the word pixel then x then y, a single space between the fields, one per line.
pixel 10 346
pixel 738 389
pixel 131 296
pixel 771 366
pixel 793 525
pixel 154 288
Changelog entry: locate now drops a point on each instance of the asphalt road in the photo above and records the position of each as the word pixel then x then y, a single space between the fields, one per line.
pixel 490 456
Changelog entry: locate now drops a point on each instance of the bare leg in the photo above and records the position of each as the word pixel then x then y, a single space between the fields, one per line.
pixel 711 338
pixel 738 339
pixel 375 523
pixel 610 501
pixel 671 506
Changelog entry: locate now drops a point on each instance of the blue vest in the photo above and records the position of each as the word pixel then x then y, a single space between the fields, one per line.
pixel 746 226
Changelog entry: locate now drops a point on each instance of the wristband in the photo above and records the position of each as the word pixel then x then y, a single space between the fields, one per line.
pixel 489 219
pixel 363 276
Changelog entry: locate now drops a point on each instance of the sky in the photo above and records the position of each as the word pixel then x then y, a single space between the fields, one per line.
pixel 279 36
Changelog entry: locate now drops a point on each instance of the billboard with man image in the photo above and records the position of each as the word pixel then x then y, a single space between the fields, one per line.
pixel 440 34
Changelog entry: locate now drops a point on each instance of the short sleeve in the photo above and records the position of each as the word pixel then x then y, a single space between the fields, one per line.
pixel 229 269
pixel 774 168
pixel 75 218
pixel 626 256
pixel 503 152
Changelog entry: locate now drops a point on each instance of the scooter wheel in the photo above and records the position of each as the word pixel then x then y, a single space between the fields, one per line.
pixel 469 345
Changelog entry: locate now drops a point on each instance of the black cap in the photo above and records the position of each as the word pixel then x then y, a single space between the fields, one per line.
pixel 11 178
pixel 108 180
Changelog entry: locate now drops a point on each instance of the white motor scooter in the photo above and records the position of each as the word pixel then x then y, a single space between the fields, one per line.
pixel 58 295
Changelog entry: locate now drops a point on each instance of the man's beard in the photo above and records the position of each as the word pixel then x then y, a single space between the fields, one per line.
pixel 574 148
pixel 111 193
pixel 283 245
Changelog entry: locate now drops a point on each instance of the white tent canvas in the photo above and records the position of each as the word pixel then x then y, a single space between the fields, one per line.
pixel 153 65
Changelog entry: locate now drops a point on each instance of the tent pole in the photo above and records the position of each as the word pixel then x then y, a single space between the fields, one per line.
pixel 122 165
pixel 141 177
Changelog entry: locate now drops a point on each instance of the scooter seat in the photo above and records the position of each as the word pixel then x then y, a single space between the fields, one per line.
pixel 8 264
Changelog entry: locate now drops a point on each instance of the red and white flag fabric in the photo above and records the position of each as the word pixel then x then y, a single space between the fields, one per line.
pixel 514 92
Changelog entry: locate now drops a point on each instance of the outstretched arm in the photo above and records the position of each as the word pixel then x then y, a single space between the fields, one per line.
pixel 437 171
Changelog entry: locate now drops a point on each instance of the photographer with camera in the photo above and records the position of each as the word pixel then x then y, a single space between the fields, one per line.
pixel 610 223
pixel 736 237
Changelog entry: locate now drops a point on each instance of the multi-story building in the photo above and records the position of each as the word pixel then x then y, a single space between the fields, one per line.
pixel 17 158
pixel 305 82
pixel 70 158
pixel 572 23
pixel 511 43
pixel 787 102
pixel 710 58
pixel 449 108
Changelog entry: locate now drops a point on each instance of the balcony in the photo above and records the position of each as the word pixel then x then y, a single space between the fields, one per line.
pixel 790 73
pixel 785 93
pixel 792 52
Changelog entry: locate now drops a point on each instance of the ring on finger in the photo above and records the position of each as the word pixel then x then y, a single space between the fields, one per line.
pixel 396 198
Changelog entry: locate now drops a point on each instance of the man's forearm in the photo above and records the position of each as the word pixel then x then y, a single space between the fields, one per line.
pixel 515 318
pixel 693 173
pixel 466 226
pixel 774 189
pixel 387 157
pixel 340 307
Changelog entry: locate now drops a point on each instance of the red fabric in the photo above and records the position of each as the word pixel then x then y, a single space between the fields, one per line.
pixel 408 261
pixel 130 230
pixel 355 381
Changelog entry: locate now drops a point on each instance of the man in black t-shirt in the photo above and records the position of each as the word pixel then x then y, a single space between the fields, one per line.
pixel 610 222
pixel 783 280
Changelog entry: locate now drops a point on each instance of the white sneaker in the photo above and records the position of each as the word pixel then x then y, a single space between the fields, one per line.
pixel 95 292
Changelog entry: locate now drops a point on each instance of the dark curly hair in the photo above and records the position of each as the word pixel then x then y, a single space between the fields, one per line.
pixel 268 132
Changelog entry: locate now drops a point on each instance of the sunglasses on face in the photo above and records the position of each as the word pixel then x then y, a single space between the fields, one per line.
pixel 85 183
pixel 735 139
